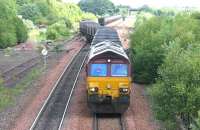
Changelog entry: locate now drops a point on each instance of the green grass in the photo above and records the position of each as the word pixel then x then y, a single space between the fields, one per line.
pixel 8 95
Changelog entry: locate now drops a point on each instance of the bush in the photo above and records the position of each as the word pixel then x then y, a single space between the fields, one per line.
pixel 151 35
pixel 165 50
pixel 21 31
pixel 57 30
pixel 7 33
pixel 147 50
pixel 177 91
pixel 7 27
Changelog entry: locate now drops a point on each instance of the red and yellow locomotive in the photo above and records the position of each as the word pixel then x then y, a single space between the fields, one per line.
pixel 108 74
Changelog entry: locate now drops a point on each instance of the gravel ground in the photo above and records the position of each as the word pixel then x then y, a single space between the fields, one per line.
pixel 78 116
pixel 21 115
pixel 109 123
pixel 139 115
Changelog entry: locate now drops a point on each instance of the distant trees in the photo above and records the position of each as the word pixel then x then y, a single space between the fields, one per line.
pixel 30 11
pixel 58 17
pixel 98 7
pixel 12 29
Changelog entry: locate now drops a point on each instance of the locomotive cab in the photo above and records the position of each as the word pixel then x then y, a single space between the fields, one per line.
pixel 108 78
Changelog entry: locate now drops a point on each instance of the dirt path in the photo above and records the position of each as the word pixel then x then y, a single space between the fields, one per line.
pixel 139 115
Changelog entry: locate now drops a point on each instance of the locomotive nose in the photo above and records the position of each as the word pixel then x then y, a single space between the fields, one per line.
pixel 109 86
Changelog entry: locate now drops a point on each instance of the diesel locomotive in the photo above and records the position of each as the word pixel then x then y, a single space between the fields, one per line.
pixel 108 72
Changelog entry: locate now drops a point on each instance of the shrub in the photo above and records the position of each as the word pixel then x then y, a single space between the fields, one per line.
pixel 177 91
pixel 151 35
pixel 21 31
pixel 146 47
pixel 52 34
pixel 7 27
pixel 7 33
pixel 57 30
pixel 68 23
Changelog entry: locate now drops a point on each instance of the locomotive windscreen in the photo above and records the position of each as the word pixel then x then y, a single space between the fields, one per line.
pixel 119 70
pixel 98 70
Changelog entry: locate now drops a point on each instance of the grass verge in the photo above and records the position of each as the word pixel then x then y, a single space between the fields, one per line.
pixel 8 95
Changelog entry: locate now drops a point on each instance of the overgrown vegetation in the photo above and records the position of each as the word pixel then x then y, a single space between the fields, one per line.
pixel 165 53
pixel 59 18
pixel 8 95
pixel 41 16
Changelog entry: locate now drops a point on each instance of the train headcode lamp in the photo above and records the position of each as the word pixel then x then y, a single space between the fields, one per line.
pixel 109 60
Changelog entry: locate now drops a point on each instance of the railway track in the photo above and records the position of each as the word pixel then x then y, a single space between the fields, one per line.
pixel 108 122
pixel 52 113
pixel 13 76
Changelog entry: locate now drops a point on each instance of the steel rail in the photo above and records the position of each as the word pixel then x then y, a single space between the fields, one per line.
pixel 68 101
pixel 52 91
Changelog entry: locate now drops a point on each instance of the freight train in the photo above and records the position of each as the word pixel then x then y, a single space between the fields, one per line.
pixel 108 70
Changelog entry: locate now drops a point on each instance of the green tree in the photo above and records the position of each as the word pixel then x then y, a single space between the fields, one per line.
pixel 21 30
pixel 98 7
pixel 22 2
pixel 57 30
pixel 147 52
pixel 151 35
pixel 30 11
pixel 7 28
pixel 177 91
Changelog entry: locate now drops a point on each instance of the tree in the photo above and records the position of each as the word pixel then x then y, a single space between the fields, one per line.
pixel 98 7
pixel 12 29
pixel 151 35
pixel 177 91
pixel 21 30
pixel 30 11
pixel 22 2
pixel 7 28
pixel 57 30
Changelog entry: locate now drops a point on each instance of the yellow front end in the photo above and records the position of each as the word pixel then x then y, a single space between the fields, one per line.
pixel 109 86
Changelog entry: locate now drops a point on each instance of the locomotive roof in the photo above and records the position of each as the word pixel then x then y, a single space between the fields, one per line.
pixel 107 46
pixel 106 33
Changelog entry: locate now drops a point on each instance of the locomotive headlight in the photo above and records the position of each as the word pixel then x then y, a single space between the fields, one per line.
pixel 94 89
pixel 123 90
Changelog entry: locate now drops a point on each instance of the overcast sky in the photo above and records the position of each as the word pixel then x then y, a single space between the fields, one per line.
pixel 155 3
